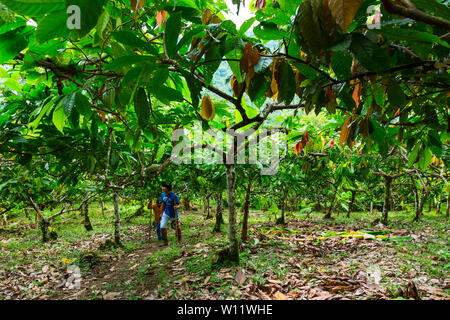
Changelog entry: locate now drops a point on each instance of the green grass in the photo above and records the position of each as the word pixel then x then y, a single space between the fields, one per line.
pixel 24 246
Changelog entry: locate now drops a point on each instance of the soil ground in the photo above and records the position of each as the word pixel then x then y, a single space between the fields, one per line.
pixel 308 258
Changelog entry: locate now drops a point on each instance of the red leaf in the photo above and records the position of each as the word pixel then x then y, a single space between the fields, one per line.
pixel 298 148
pixel 330 94
pixel 161 17
pixel 332 143
pixel 397 113
pixel 357 93
pixel 260 4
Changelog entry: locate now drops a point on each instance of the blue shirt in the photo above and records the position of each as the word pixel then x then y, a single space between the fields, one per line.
pixel 170 200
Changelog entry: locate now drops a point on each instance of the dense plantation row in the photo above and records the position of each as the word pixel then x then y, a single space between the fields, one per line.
pixel 326 107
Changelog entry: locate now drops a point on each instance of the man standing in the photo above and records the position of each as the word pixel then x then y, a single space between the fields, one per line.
pixel 170 206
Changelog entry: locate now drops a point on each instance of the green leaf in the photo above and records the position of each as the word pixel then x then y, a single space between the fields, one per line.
pixel 12 43
pixel 369 54
pixel 395 95
pixel 90 12
pixel 160 153
pixel 126 61
pixel 434 7
pixel 212 54
pixel 269 31
pixel 102 23
pixel 82 104
pixel 142 107
pixel 129 38
pixel 13 84
pixel 245 26
pixel 34 8
pixel 171 33
pixel 166 94
pixel 263 64
pixel 3 73
pixel 342 65
pixel 194 86
pixel 59 117
pixel 425 159
pixel 52 26
pixel 286 86
pixel 257 87
pixel 69 102
pixel 413 155
pixel 412 35
pixel 159 77
pixel 45 108
pixel 289 6
pixel 306 70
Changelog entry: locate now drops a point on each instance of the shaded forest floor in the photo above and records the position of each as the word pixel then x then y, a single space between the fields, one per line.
pixel 308 258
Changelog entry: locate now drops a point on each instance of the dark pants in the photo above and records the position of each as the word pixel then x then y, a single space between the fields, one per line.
pixel 158 230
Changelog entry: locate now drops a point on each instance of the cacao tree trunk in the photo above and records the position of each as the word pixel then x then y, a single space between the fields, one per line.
pixel 448 205
pixel 85 212
pixel 350 208
pixel 233 253
pixel 416 196
pixel 387 195
pixel 187 204
pixel 44 229
pixel 371 207
pixel 116 219
pixel 150 224
pixel 438 205
pixel 420 205
pixel 102 204
pixel 245 209
pixel 207 207
pixel 219 211
pixel 328 213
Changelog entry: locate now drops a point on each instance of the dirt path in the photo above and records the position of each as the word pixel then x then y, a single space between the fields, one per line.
pixel 115 276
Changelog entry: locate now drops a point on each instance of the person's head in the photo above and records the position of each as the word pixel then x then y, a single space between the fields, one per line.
pixel 166 187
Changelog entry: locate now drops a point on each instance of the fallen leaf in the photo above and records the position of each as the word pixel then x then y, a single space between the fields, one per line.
pixel 111 295
pixel 240 277
pixel 279 296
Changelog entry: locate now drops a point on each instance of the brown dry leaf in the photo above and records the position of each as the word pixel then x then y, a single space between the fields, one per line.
pixel 350 141
pixel 357 94
pixel 249 59
pixel 263 296
pixel 260 4
pixel 343 288
pixel 343 11
pixel 236 87
pixel 206 280
pixel 240 277
pixel 293 293
pixel 227 276
pixel 299 78
pixel 345 130
pixel 111 295
pixel 279 296
pixel 206 16
pixel 161 17
pixel 434 291
pixel 137 5
pixel 364 127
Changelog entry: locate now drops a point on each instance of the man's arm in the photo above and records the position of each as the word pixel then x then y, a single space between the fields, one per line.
pixel 177 203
